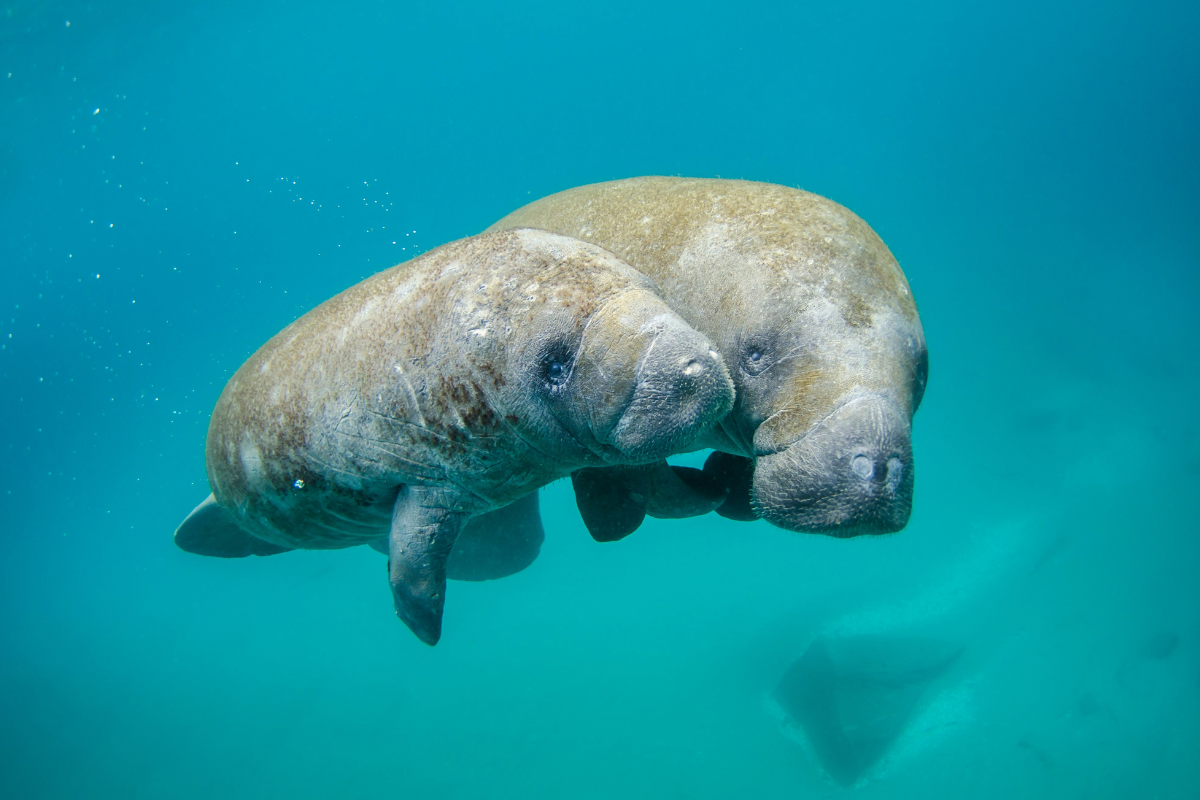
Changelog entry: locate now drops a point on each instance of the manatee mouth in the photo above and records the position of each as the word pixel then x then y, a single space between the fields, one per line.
pixel 850 475
pixel 682 388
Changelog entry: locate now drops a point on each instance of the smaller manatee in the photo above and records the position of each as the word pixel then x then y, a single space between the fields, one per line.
pixel 445 389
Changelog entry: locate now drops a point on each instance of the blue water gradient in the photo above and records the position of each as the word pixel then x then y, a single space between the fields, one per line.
pixel 178 181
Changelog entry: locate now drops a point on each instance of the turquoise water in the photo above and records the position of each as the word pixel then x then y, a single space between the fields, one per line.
pixel 178 181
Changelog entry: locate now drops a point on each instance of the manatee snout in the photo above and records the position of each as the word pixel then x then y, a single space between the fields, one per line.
pixel 681 388
pixel 851 474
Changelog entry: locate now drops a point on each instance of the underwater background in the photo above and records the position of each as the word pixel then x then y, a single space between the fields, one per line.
pixel 178 181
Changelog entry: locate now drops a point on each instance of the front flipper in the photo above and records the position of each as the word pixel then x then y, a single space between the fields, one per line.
pixel 499 543
pixel 682 492
pixel 736 474
pixel 425 524
pixel 211 531
pixel 611 500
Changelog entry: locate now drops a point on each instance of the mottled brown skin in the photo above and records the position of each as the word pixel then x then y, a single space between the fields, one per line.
pixel 444 389
pixel 421 374
pixel 812 314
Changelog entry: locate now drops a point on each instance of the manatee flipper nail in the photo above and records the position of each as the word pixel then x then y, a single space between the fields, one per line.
pixel 424 528
pixel 682 492
pixel 499 543
pixel 736 474
pixel 210 531
pixel 612 500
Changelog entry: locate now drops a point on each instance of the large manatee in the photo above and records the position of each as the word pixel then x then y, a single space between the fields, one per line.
pixel 816 324
pixel 446 388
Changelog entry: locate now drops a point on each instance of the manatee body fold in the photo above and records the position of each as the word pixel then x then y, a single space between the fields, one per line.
pixel 441 391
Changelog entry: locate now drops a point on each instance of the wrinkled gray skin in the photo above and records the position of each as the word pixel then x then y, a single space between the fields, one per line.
pixel 813 317
pixel 446 388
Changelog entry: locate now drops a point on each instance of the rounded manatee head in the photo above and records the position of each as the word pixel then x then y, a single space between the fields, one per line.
pixel 827 392
pixel 598 369
pixel 813 317
pixel 828 384
pixel 851 474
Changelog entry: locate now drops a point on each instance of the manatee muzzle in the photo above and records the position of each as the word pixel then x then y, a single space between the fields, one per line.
pixel 850 474
pixel 682 387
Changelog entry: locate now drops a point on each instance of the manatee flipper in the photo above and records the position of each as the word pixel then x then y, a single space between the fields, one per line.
pixel 736 474
pixel 424 527
pixel 210 531
pixel 611 500
pixel 682 492
pixel 499 543
pixel 493 545
pixel 614 500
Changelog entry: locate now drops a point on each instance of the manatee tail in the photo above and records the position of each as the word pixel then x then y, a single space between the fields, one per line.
pixel 210 531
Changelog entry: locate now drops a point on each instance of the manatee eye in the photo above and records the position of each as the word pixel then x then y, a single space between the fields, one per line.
pixel 555 365
pixel 754 358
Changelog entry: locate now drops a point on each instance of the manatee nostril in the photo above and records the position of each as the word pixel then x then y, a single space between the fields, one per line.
pixel 862 466
pixel 693 368
pixel 895 468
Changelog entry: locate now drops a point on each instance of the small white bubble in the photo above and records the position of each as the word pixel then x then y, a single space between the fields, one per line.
pixel 94 113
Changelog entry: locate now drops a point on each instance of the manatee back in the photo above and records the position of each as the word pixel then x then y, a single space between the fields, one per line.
pixel 292 451
pixel 716 247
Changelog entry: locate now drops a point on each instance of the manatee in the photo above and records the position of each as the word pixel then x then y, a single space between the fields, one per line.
pixel 443 389
pixel 816 323
pixel 854 696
